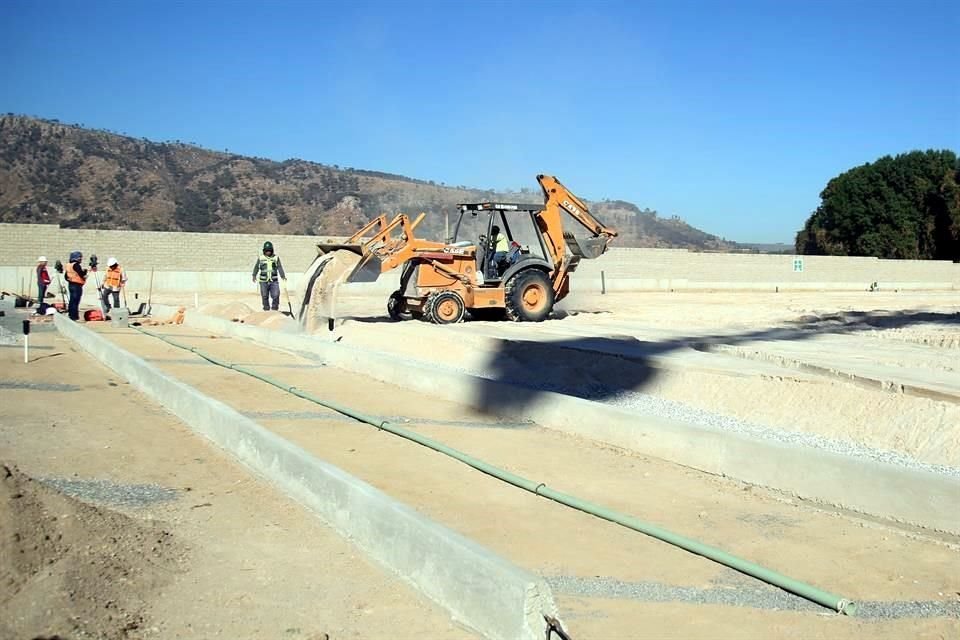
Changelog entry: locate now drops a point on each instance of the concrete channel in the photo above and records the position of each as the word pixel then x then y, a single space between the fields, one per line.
pixel 911 496
pixel 480 589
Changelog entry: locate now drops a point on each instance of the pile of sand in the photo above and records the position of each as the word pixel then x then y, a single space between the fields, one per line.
pixel 233 311
pixel 334 270
pixel 271 320
pixel 72 570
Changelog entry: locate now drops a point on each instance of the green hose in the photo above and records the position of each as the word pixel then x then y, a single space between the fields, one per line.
pixel 802 589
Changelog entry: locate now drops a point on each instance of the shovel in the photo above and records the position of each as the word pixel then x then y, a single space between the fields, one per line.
pixel 286 291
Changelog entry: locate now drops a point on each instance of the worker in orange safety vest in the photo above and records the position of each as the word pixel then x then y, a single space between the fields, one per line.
pixel 76 277
pixel 113 281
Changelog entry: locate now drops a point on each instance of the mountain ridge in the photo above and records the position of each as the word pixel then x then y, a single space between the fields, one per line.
pixel 76 177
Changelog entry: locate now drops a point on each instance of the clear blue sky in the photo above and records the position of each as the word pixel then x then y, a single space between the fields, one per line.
pixel 730 114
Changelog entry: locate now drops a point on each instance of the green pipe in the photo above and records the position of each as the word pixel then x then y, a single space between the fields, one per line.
pixel 802 589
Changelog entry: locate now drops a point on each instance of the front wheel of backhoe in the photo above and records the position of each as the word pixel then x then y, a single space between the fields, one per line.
pixel 445 307
pixel 529 296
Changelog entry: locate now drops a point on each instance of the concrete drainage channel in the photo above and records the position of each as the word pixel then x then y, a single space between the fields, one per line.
pixel 479 589
pixel 912 496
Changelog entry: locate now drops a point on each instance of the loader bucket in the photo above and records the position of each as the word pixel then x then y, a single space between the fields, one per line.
pixel 367 270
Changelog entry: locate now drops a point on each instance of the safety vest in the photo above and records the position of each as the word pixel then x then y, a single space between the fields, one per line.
pixel 73 276
pixel 268 268
pixel 501 243
pixel 113 277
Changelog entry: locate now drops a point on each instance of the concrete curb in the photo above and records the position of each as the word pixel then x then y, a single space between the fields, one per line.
pixel 479 589
pixel 915 497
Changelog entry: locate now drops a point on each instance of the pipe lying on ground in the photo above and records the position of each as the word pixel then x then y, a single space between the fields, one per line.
pixel 797 587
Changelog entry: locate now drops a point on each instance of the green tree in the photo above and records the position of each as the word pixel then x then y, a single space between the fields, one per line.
pixel 906 206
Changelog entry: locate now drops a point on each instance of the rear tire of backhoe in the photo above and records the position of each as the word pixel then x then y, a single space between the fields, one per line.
pixel 529 296
pixel 446 307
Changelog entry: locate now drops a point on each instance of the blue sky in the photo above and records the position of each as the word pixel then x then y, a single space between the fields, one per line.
pixel 732 114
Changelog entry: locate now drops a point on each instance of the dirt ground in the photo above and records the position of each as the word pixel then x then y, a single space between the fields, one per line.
pixel 719 352
pixel 578 554
pixel 877 370
pixel 169 537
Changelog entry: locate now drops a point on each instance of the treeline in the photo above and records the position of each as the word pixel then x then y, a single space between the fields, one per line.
pixel 907 206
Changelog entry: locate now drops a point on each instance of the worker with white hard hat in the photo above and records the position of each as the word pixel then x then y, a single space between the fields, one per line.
pixel 113 281
pixel 43 281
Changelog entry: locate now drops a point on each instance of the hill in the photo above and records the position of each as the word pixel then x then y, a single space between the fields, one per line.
pixel 81 178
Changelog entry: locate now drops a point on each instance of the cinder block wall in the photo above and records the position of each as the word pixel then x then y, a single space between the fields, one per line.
pixel 622 269
pixel 673 268
pixel 145 250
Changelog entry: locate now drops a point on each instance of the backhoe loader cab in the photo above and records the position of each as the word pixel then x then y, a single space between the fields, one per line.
pixel 478 226
pixel 442 282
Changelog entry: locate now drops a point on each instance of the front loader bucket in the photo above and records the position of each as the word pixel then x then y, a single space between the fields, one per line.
pixel 367 270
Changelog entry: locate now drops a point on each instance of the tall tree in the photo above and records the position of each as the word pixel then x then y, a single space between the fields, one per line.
pixel 906 206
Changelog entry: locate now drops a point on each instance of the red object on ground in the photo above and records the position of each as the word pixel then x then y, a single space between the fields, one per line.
pixel 93 315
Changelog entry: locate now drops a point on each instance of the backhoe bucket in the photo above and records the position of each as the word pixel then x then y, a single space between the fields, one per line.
pixel 588 248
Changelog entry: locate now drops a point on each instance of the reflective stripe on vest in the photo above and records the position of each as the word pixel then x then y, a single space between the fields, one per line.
pixel 268 268
pixel 73 276
pixel 112 278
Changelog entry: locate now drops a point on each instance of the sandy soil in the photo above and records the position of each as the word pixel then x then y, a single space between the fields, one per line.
pixel 234 559
pixel 877 369
pixel 860 559
pixel 75 569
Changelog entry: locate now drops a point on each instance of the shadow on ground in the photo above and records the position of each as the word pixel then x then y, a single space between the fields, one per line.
pixel 597 368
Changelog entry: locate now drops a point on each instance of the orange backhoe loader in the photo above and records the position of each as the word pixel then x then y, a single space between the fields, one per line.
pixel 508 261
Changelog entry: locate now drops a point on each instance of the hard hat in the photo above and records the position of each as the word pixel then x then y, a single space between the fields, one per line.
pixel 42 259
pixel 75 256
pixel 268 246
pixel 111 262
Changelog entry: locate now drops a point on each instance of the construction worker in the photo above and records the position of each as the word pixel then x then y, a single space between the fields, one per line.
pixel 113 280
pixel 76 277
pixel 43 281
pixel 499 246
pixel 265 271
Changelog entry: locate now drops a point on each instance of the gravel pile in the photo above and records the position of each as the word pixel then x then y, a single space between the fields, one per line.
pixel 113 494
pixel 755 595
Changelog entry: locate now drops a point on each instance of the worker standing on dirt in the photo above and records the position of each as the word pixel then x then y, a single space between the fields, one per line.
pixel 113 280
pixel 43 281
pixel 265 271
pixel 76 277
pixel 499 246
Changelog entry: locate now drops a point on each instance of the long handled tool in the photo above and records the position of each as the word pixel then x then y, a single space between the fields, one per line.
pixel 286 291
pixel 150 294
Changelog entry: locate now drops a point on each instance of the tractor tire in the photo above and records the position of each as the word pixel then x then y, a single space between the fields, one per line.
pixel 397 306
pixel 529 296
pixel 445 307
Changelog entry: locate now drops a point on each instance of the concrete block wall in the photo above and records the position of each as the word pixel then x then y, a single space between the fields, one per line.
pixel 646 269
pixel 214 261
pixel 145 250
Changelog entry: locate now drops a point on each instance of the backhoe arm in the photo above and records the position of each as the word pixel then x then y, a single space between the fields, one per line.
pixel 558 195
